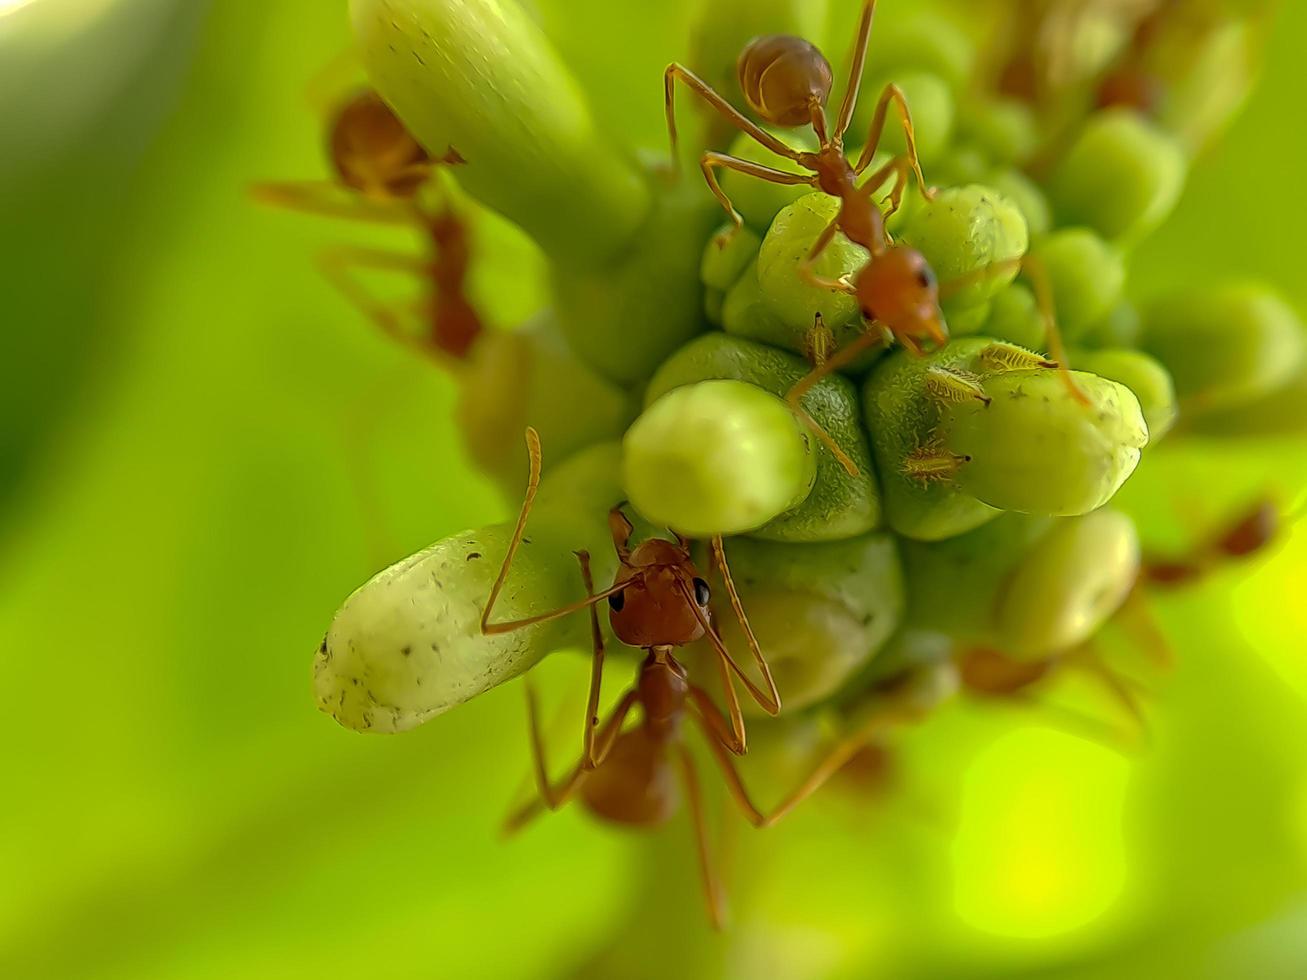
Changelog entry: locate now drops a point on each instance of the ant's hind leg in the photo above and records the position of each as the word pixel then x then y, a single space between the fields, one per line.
pixel 712 886
pixel 711 161
pixel 590 756
pixel 338 265
pixel 329 200
pixel 732 115
pixel 893 94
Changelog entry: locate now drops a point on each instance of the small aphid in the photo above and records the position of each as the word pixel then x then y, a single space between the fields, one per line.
pixel 1000 356
pixel 954 386
pixel 932 463
pixel 658 602
pixel 383 170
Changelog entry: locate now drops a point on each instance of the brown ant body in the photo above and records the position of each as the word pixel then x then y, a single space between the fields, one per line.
pixel 384 170
pixel 1250 534
pixel 658 602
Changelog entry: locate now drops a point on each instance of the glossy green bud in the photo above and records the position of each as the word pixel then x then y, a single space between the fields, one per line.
pixel 1143 375
pixel 718 457
pixel 905 423
pixel 820 612
pixel 840 505
pixel 512 380
pixel 407 645
pixel 914 38
pixel 1028 196
pixel 624 320
pixel 1027 586
pixel 930 103
pixel 1014 316
pixel 723 264
pixel 965 231
pixel 480 77
pixel 1086 275
pixel 1004 129
pixel 1225 346
pixel 1034 448
pixel 1122 177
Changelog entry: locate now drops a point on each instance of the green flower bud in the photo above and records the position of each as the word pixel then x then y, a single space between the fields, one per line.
pixel 718 457
pixel 1034 448
pixel 840 505
pixel 1028 196
pixel 1087 277
pixel 909 38
pixel 1225 346
pixel 722 265
pixel 407 645
pixel 1014 317
pixel 794 300
pixel 1282 412
pixel 904 422
pixel 512 379
pixel 625 319
pixel 1121 327
pixel 906 651
pixel 758 201
pixel 820 611
pixel 964 231
pixel 1028 586
pixel 1122 177
pixel 930 102
pixel 1143 375
pixel 480 77
pixel 1208 76
pixel 1005 129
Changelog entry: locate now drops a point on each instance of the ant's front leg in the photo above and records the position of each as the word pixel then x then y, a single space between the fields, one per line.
pixel 710 95
pixel 893 94
pixel 711 161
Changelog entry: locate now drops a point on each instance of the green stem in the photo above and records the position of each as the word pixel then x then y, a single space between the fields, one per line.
pixel 480 77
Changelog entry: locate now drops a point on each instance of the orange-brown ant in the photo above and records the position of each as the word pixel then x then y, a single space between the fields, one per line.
pixel 1250 534
pixel 786 80
pixel 384 170
pixel 658 602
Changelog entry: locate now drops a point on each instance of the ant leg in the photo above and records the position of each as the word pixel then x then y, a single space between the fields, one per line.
pixel 713 160
pixel 330 200
pixel 712 887
pixel 337 264
pixel 590 758
pixel 901 169
pixel 855 71
pixel 532 487
pixel 835 759
pixel 773 703
pixel 1034 270
pixel 768 700
pixel 1118 688
pixel 1038 276
pixel 732 115
pixel 552 797
pixel 839 360
pixel 818 246
pixel 892 93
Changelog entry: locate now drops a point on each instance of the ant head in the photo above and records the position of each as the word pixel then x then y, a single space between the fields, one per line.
pixel 784 78
pixel 657 607
pixel 898 288
pixel 987 672
pixel 373 152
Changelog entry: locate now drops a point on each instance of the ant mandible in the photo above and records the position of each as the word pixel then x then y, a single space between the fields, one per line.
pixel 385 169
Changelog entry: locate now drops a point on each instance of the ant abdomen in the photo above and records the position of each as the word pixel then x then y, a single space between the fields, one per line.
pixel 636 785
pixel 371 150
pixel 784 79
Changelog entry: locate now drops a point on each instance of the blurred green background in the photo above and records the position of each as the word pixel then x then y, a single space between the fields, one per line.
pixel 203 450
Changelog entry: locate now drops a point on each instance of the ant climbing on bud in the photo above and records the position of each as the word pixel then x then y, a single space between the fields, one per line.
pixel 385 174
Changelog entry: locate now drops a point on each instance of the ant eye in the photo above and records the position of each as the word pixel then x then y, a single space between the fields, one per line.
pixel 616 601
pixel 925 277
pixel 701 592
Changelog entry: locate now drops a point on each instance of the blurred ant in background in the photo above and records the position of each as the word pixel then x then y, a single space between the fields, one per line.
pixel 384 176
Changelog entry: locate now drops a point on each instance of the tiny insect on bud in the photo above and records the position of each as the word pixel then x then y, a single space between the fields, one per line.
pixel 1009 357
pixel 954 385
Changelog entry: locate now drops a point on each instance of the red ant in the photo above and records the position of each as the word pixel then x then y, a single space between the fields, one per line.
pixel 1252 533
pixel 385 170
pixel 786 80
pixel 658 602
